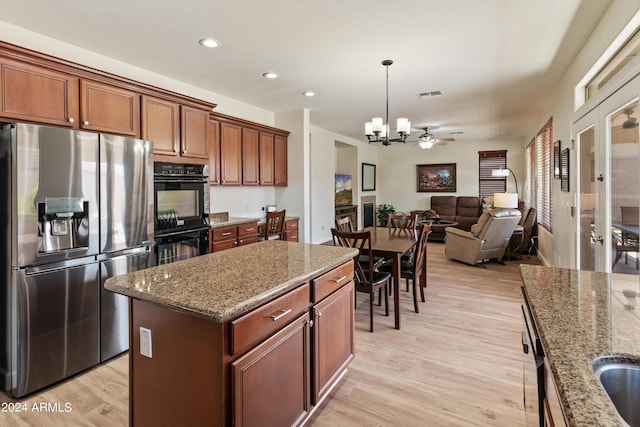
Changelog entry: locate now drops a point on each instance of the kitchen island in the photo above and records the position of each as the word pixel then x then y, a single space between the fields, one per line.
pixel 580 316
pixel 255 335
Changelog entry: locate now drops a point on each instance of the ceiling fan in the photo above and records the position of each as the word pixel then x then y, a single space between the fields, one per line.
pixel 427 140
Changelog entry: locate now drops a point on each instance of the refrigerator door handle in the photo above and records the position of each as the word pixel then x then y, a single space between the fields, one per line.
pixel 61 265
pixel 140 250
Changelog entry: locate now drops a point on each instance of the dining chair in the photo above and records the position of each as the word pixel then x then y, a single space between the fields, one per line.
pixel 403 221
pixel 274 226
pixel 344 224
pixel 626 241
pixel 407 222
pixel 412 271
pixel 366 278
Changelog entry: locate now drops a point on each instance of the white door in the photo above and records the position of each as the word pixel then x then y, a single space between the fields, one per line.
pixel 590 248
pixel 608 152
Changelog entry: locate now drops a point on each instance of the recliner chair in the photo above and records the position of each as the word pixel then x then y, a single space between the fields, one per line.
pixel 487 239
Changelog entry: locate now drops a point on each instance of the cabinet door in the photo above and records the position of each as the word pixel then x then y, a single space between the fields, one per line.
pixel 268 392
pixel 250 156
pixel 230 154
pixel 266 158
pixel 36 94
pixel 161 125
pixel 280 161
pixel 214 152
pixel 195 128
pixel 223 245
pixel 105 108
pixel 333 334
pixel 291 230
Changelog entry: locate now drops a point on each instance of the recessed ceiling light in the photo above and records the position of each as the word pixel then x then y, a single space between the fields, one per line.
pixel 209 42
pixel 309 93
pixel 270 75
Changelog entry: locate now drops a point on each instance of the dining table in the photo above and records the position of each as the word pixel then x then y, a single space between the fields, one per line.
pixel 392 243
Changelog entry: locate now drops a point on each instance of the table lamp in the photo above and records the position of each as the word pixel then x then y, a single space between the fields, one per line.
pixel 505 200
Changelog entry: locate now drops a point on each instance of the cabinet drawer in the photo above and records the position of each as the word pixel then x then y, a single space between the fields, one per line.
pixel 248 229
pixel 224 233
pixel 334 279
pixel 265 320
pixel 291 225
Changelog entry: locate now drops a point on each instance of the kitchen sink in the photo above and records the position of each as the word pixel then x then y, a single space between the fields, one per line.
pixel 620 378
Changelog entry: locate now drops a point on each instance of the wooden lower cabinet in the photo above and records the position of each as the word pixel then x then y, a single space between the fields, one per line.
pixel 267 392
pixel 270 366
pixel 332 348
pixel 291 230
pixel 223 238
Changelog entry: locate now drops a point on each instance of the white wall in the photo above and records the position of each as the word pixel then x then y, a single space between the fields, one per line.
pixel 333 153
pixel 397 164
pixel 295 197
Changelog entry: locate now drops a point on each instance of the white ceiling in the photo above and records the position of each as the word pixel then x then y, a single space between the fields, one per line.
pixel 494 60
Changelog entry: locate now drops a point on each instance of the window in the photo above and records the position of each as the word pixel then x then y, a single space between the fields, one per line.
pixel 539 192
pixel 488 161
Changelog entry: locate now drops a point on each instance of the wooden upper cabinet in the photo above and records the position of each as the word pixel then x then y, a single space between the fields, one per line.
pixel 230 154
pixel 38 94
pixel 214 152
pixel 280 161
pixel 195 128
pixel 250 156
pixel 266 158
pixel 161 125
pixel 105 108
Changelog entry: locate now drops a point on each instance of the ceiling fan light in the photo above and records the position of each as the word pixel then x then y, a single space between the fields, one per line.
pixel 425 144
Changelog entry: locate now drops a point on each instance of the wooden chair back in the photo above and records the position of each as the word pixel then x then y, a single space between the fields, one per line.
pixel 403 221
pixel 360 240
pixel 419 256
pixel 344 224
pixel 274 227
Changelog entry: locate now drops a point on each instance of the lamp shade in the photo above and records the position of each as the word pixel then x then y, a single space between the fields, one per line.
pixel 505 200
pixel 500 172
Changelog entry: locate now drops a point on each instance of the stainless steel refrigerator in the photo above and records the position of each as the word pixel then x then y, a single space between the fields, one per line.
pixel 73 204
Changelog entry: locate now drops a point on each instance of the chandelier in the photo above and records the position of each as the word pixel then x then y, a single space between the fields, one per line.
pixel 378 131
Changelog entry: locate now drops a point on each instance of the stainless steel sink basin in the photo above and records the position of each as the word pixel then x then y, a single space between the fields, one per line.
pixel 621 380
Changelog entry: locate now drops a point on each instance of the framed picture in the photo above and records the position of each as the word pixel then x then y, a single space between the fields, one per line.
pixel 556 159
pixel 368 177
pixel 436 178
pixel 564 170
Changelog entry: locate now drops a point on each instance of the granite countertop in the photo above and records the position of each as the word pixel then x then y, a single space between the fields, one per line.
pixel 242 220
pixel 230 221
pixel 582 315
pixel 223 285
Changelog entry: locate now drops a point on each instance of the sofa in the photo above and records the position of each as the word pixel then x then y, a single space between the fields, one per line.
pixel 465 210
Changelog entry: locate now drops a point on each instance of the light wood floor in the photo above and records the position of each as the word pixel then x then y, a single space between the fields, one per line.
pixel 456 363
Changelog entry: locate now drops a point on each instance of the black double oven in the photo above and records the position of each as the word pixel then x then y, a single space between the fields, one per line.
pixel 181 216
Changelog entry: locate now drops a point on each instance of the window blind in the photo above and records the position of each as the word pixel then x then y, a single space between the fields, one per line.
pixel 488 161
pixel 539 193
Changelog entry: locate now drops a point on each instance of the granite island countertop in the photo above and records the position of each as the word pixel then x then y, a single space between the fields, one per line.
pixel 223 285
pixel 582 315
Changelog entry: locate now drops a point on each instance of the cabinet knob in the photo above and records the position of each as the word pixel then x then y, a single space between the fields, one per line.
pixel 86 122
pixel 71 120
